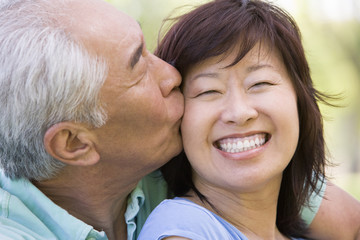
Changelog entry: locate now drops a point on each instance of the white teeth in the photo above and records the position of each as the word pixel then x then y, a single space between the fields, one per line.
pixel 240 145
pixel 229 146
pixel 246 144
pixel 235 145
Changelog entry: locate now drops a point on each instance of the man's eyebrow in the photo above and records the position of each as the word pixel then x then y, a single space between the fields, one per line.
pixel 136 55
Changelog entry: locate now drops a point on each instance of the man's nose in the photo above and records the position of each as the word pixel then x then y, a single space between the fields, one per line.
pixel 169 78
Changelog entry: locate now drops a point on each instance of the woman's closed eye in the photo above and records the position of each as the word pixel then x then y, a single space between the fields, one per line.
pixel 261 85
pixel 208 92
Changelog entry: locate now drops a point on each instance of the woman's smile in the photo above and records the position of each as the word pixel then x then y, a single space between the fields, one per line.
pixel 241 144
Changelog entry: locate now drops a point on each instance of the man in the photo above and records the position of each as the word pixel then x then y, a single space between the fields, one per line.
pixel 86 113
pixel 79 89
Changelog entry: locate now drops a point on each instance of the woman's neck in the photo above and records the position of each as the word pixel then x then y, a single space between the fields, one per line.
pixel 253 213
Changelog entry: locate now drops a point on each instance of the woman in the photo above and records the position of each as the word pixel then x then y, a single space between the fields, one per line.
pixel 252 129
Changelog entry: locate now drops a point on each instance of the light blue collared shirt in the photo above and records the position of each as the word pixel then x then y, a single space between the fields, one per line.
pixel 26 213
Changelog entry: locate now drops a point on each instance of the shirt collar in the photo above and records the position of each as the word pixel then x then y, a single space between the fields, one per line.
pixel 56 219
pixel 135 201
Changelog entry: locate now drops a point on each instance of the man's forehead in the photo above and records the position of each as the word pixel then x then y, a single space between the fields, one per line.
pixel 104 31
pixel 94 14
pixel 96 19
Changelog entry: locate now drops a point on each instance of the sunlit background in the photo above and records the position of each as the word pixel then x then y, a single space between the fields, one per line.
pixel 331 35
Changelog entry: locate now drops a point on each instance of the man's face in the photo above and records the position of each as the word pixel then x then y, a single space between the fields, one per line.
pixel 140 94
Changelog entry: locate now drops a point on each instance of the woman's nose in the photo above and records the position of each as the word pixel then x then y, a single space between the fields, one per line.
pixel 238 109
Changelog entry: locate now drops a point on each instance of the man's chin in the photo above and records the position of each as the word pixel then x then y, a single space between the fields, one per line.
pixel 178 147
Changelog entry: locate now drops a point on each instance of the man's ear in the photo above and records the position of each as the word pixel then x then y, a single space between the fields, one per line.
pixel 72 144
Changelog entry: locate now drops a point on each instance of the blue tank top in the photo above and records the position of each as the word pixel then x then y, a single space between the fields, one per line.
pixel 184 218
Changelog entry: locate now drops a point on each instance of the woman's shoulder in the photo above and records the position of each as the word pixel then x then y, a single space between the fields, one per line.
pixel 180 209
pixel 181 217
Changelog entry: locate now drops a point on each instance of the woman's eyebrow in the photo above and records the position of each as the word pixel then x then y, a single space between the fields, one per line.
pixel 256 67
pixel 208 75
pixel 249 69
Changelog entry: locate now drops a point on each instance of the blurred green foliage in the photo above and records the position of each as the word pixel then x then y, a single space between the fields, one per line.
pixel 333 49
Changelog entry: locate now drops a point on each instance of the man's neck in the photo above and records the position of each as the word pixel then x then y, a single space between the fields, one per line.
pixel 96 199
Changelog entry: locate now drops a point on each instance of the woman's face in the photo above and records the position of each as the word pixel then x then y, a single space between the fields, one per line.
pixel 240 127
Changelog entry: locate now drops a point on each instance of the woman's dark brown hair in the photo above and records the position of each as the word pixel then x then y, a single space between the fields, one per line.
pixel 220 27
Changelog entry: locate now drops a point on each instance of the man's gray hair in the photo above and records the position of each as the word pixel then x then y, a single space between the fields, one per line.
pixel 46 77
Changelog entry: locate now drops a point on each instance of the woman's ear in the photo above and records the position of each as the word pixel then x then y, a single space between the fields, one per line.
pixel 71 143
